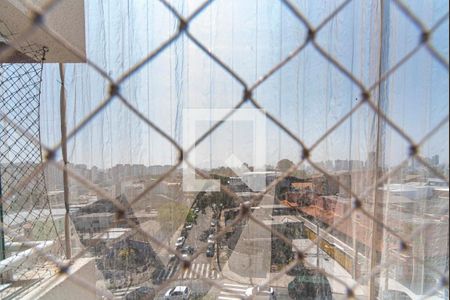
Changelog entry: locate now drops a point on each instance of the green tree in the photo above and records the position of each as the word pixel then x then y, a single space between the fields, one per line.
pixel 281 252
pixel 191 217
pixel 284 165
pixel 309 285
pixel 215 200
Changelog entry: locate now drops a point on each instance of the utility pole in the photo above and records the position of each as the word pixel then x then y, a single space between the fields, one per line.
pixel 317 245
pixel 378 204
pixel 67 235
pixel 317 234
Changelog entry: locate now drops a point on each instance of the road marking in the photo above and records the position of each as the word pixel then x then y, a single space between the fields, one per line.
pixel 236 285
pixel 233 290
pixel 185 273
pixel 197 271
pixel 120 293
pixel 232 293
pixel 191 273
pixel 174 271
pixel 207 270
pixel 161 275
pixel 168 274
pixel 201 270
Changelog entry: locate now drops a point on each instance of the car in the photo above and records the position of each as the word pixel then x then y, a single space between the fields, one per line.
pixel 180 242
pixel 188 226
pixel 260 291
pixel 196 210
pixel 141 293
pixel 178 292
pixel 211 239
pixel 210 251
pixel 184 232
pixel 213 223
pixel 187 250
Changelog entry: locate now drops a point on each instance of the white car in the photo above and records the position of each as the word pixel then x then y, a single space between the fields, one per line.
pixel 211 239
pixel 178 292
pixel 180 241
pixel 266 292
pixel 188 226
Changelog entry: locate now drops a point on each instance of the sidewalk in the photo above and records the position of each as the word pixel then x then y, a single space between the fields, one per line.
pixel 328 264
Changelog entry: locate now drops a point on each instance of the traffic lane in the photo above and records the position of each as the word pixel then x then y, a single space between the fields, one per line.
pixel 196 233
pixel 199 288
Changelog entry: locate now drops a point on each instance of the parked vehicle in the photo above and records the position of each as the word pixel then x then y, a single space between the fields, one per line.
pixel 188 226
pixel 180 242
pixel 178 292
pixel 211 239
pixel 213 223
pixel 266 292
pixel 210 250
pixel 184 232
pixel 188 250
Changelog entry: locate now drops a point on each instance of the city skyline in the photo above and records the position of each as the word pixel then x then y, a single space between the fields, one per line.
pixel 305 103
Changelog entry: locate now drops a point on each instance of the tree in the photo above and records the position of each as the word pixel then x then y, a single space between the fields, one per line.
pixel 191 217
pixel 215 200
pixel 281 252
pixel 284 165
pixel 309 285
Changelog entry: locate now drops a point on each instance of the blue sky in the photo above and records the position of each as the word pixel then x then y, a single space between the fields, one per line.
pixel 309 95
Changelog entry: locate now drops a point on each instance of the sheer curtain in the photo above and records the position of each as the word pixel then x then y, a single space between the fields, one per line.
pixel 309 96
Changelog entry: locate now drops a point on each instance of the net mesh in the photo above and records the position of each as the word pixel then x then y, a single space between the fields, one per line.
pixel 26 212
pixel 361 204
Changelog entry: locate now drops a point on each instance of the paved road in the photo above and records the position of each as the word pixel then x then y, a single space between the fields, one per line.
pixel 202 266
pixel 198 288
pixel 203 224
pixel 236 291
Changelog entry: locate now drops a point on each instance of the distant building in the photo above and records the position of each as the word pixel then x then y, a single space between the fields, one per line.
pixel 435 160
pixel 356 164
pixel 371 160
pixel 341 165
pixel 258 181
pixel 237 185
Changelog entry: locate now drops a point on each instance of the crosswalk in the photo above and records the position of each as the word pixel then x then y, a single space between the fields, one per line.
pixel 232 291
pixel 165 274
pixel 121 293
pixel 198 271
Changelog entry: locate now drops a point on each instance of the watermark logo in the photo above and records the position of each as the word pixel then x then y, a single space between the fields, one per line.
pixel 254 178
